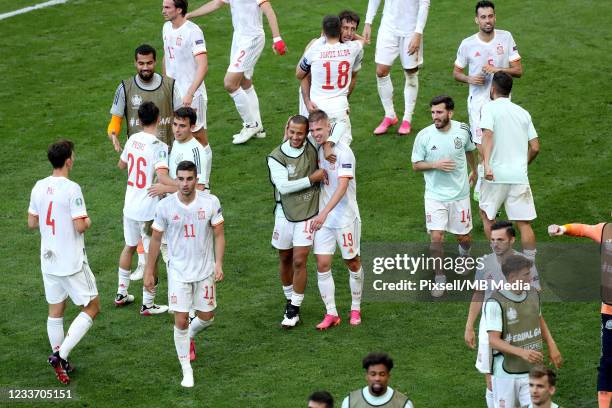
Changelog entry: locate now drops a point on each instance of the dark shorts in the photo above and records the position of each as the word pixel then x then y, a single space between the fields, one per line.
pixel 604 377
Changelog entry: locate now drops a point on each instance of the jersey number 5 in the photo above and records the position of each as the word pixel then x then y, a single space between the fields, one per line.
pixel 141 176
pixel 343 72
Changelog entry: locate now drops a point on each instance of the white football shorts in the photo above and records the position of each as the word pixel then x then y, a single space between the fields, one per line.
pixel 516 198
pixel 348 239
pixel 474 110
pixel 200 104
pixel 484 357
pixel 287 234
pixel 80 287
pixel 200 295
pixel 390 46
pixel 245 53
pixel 135 230
pixel 507 391
pixel 452 216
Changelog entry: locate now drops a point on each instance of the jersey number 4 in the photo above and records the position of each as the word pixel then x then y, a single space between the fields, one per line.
pixel 141 176
pixel 343 72
pixel 50 221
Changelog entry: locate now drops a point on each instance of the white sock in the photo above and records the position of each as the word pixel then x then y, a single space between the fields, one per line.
pixel 148 298
pixel 296 299
pixel 254 104
pixel 241 99
pixel 141 258
pixel 197 325
pixel 464 251
pixel 356 284
pixel 124 281
pixel 385 91
pixel 530 254
pixel 411 90
pixel 327 288
pixel 489 398
pixel 288 291
pixel 181 342
pixel 55 331
pixel 76 331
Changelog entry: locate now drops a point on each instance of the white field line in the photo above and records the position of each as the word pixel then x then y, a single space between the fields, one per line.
pixel 31 8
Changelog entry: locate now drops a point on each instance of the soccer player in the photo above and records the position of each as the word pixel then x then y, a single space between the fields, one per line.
pixel 145 86
pixel 63 260
pixel 330 64
pixel 189 219
pixel 503 236
pixel 509 144
pixel 484 53
pixel 349 22
pixel 602 234
pixel 185 60
pixel 516 329
pixel 443 151
pixel 144 157
pixel 295 177
pixel 320 399
pixel 542 381
pixel 338 222
pixel 377 393
pixel 247 44
pixel 400 34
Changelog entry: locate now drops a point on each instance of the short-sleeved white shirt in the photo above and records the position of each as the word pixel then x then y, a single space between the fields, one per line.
pixel 512 130
pixel 331 68
pixel 144 154
pixel 400 17
pixel 188 231
pixel 246 17
pixel 57 202
pixel 475 53
pixel 181 46
pixel 193 151
pixel 346 211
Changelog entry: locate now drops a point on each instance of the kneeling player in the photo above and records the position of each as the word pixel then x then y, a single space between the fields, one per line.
pixel 338 222
pixel 189 218
pixel 63 259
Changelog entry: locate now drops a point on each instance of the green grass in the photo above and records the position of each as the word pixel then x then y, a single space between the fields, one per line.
pixel 60 68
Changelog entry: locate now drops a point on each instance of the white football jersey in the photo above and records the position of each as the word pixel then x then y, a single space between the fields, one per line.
pixel 246 17
pixel 188 231
pixel 144 154
pixel 499 52
pixel 180 48
pixel 194 152
pixel 400 17
pixel 57 202
pixel 331 68
pixel 346 211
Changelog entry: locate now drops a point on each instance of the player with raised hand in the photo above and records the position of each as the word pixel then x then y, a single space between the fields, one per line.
pixel 144 157
pixel 189 219
pixel 330 64
pixel 63 260
pixel 484 53
pixel 186 61
pixel 400 34
pixel 248 42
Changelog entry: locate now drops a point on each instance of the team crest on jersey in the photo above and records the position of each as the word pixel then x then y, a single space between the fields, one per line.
pixel 458 144
pixel 275 235
pixel 49 256
pixel 173 299
pixel 512 315
pixel 179 41
pixel 609 324
pixel 291 169
pixel 78 202
pixel 201 214
pixel 500 49
pixel 136 101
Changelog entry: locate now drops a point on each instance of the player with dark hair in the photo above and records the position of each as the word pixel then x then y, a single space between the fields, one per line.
pixel 320 399
pixel 377 393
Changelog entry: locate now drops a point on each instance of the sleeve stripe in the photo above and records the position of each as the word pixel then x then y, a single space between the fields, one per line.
pixel 348 177
pixel 195 54
pixel 80 217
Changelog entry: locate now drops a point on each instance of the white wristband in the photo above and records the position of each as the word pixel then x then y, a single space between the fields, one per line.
pixel 276 39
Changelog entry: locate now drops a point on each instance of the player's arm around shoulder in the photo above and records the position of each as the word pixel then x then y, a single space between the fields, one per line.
pixel 205 9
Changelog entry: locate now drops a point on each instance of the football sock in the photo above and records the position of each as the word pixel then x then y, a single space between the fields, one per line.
pixel 55 331
pixel 197 325
pixel 385 91
pixel 241 99
pixel 296 299
pixel 328 291
pixel 489 398
pixel 356 284
pixel 181 342
pixel 530 253
pixel 148 298
pixel 76 331
pixel 288 291
pixel 124 281
pixel 411 90
pixel 141 252
pixel 254 104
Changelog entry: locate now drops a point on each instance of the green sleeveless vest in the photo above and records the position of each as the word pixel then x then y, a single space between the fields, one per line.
pixel 606 264
pixel 357 400
pixel 162 97
pixel 521 328
pixel 304 204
